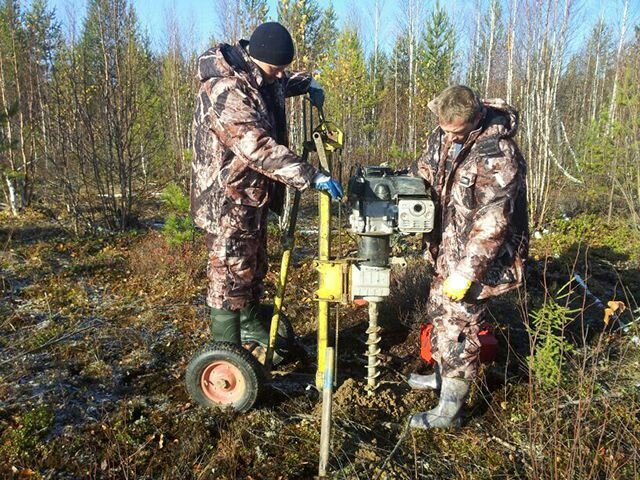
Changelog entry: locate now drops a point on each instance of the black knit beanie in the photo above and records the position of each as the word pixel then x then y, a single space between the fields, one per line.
pixel 271 43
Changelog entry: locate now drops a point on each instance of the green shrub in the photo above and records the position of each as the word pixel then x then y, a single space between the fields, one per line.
pixel 548 344
pixel 178 227
pixel 176 199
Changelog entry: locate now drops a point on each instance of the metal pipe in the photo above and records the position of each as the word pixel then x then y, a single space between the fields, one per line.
pixel 325 424
pixel 375 249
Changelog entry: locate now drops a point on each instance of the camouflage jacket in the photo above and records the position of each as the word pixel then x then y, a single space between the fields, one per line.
pixel 482 203
pixel 240 136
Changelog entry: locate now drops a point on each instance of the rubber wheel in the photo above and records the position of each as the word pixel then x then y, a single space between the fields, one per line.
pixel 224 375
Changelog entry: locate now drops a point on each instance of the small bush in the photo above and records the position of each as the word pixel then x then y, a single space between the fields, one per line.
pixel 178 227
pixel 175 198
pixel 550 346
pixel 178 230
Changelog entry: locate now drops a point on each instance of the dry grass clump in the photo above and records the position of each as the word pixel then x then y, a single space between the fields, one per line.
pixel 157 265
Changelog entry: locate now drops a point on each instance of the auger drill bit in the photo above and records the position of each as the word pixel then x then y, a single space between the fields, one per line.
pixel 373 339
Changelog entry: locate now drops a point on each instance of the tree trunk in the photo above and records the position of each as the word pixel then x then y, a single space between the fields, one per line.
pixel 492 35
pixel 612 109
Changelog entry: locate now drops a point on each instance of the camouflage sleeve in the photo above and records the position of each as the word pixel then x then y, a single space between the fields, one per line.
pixel 238 124
pixel 422 168
pixel 496 190
pixel 296 83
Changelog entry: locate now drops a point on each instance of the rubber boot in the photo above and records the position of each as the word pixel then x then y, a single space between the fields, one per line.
pixel 447 413
pixel 432 381
pixel 254 333
pixel 251 327
pixel 225 325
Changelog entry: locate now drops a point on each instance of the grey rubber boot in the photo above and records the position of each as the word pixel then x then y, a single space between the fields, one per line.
pixel 432 381
pixel 447 413
pixel 225 325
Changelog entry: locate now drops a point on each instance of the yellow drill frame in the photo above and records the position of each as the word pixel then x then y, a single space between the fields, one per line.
pixel 332 274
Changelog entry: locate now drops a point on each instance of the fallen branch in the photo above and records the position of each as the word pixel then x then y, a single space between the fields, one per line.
pixel 504 443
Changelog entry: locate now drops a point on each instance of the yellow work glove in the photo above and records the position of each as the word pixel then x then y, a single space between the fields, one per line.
pixel 456 286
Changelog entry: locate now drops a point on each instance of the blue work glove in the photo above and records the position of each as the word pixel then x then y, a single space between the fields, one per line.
pixel 327 184
pixel 316 94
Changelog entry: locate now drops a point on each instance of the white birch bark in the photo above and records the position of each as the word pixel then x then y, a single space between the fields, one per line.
pixel 612 107
pixel 411 21
pixel 614 90
pixel 9 180
pixel 546 42
pixel 492 35
pixel 13 197
pixel 511 48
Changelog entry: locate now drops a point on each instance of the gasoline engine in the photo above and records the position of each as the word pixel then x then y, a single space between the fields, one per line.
pixel 382 202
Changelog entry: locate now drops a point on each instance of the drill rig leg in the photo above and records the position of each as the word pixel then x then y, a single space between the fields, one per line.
pixel 373 338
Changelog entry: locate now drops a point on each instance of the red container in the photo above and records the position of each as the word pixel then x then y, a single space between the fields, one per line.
pixel 488 343
pixel 425 343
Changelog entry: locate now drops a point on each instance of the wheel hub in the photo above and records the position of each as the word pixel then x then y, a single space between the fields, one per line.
pixel 222 382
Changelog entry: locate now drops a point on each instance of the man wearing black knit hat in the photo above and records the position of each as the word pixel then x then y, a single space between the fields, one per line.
pixel 240 166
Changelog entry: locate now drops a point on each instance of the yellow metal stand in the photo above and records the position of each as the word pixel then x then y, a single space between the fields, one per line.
pixel 327 139
pixel 324 249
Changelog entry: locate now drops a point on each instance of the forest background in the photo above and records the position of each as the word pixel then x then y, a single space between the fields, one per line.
pixel 95 120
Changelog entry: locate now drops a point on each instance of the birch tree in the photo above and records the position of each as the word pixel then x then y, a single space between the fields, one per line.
pixel 237 19
pixel 347 77
pixel 15 164
pixel 118 108
pixel 544 45
pixel 177 85
pixel 612 104
pixel 410 24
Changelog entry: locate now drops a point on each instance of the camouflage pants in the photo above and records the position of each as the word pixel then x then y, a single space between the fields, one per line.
pixel 237 257
pixel 454 339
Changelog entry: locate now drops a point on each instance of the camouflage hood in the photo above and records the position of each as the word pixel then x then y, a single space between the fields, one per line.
pixel 225 60
pixel 498 114
pixel 501 117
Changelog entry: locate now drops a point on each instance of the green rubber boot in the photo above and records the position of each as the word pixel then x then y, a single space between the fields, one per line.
pixel 225 325
pixel 252 325
pixel 254 332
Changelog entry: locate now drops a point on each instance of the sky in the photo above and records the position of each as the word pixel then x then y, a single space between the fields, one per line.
pixel 200 18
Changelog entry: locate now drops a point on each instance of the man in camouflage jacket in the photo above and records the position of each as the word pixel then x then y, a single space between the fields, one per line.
pixel 477 175
pixel 240 166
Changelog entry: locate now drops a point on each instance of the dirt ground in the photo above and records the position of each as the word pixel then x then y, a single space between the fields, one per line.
pixel 96 333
